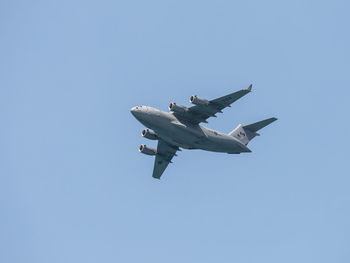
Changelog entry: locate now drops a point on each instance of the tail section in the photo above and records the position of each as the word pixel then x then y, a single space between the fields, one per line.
pixel 246 133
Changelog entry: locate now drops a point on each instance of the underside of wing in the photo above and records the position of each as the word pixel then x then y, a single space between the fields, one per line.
pixel 205 109
pixel 165 152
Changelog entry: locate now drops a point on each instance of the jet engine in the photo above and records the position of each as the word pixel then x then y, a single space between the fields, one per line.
pixel 198 101
pixel 149 134
pixel 147 150
pixel 177 108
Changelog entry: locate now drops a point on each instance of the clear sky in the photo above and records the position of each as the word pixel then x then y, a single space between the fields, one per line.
pixel 73 186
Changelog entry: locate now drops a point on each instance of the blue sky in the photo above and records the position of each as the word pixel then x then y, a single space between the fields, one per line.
pixel 73 187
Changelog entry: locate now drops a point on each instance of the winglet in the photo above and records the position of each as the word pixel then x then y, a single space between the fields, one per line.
pixel 250 87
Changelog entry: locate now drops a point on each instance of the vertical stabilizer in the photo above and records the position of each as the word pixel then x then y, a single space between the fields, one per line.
pixel 245 133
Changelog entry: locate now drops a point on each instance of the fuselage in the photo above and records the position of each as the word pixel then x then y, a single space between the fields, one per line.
pixel 185 134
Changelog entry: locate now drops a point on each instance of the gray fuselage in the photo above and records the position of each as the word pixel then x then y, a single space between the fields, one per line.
pixel 184 134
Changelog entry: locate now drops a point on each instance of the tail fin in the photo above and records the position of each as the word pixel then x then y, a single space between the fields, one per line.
pixel 246 133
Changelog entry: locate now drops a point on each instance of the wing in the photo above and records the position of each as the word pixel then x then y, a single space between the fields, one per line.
pixel 165 152
pixel 200 113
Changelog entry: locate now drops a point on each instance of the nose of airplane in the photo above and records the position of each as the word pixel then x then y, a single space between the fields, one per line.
pixel 135 111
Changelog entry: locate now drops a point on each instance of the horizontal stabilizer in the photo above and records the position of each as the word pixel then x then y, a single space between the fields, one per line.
pixel 245 133
pixel 254 127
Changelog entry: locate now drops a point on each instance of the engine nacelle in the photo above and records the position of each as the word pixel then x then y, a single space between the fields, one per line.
pixel 177 108
pixel 147 150
pixel 149 134
pixel 198 101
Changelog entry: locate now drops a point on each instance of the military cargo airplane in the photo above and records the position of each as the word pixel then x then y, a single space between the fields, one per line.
pixel 180 128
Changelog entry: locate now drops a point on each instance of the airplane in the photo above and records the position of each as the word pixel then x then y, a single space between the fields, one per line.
pixel 180 128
